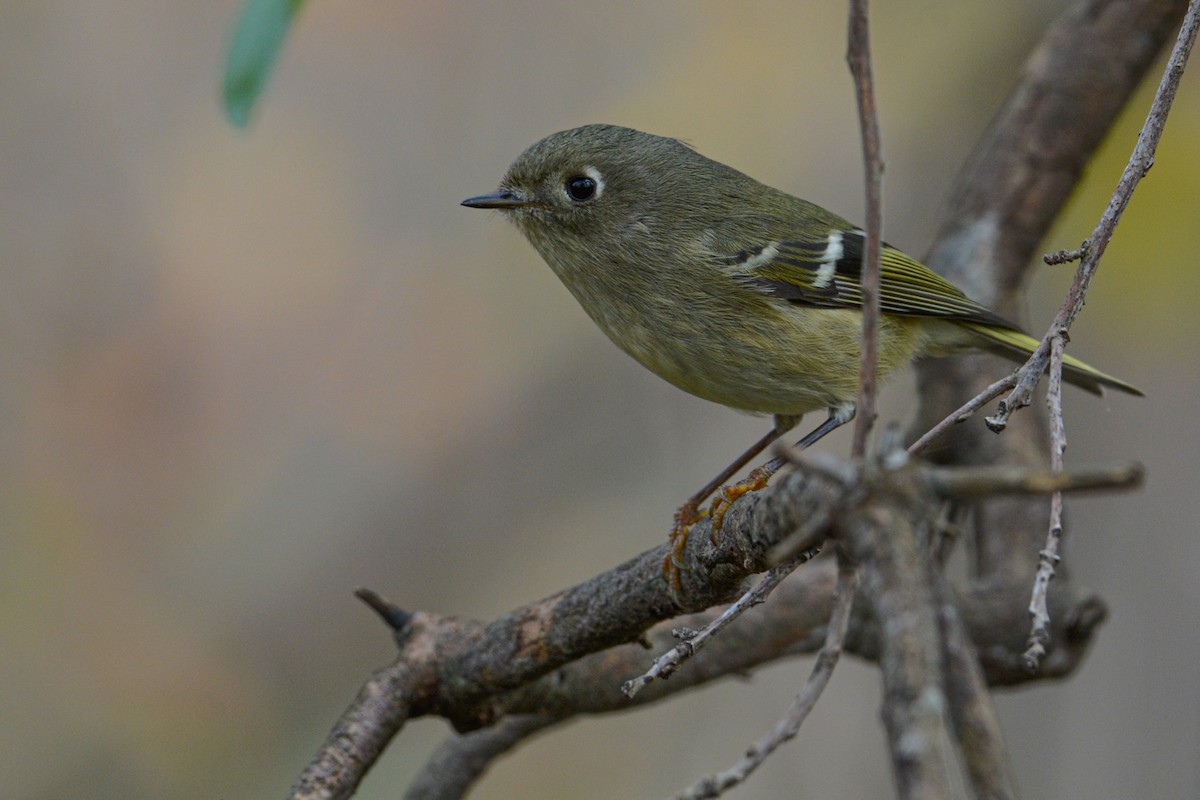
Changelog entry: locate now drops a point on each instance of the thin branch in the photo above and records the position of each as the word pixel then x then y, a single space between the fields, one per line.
pixel 382 707
pixel 1093 248
pixel 392 615
pixel 802 542
pixel 819 463
pixel 963 412
pixel 692 641
pixel 1065 256
pixel 1039 633
pixel 787 728
pixel 1052 346
pixel 977 482
pixel 859 57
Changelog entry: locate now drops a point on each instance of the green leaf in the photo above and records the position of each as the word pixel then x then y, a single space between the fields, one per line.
pixel 257 40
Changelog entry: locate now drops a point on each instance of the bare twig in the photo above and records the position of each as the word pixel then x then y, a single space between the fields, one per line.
pixel 859 56
pixel 835 635
pixel 1093 249
pixel 692 641
pixel 819 463
pixel 975 482
pixel 963 412
pixel 801 543
pixel 1039 633
pixel 1065 256
pixel 392 615
pixel 1004 201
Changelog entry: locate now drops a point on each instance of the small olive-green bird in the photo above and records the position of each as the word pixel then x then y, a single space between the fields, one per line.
pixel 732 290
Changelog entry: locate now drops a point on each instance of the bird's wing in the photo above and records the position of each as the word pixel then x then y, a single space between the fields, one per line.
pixel 827 273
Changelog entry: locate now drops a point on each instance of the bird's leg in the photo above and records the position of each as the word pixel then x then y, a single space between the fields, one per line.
pixel 759 477
pixel 689 514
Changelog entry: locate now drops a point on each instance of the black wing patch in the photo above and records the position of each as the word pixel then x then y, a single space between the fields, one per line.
pixel 828 274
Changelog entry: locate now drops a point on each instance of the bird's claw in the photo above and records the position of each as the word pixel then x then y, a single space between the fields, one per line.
pixel 728 495
pixel 672 566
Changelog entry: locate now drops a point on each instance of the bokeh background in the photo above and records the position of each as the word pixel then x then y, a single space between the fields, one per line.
pixel 245 372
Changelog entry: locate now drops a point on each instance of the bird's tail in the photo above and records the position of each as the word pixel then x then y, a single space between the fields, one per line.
pixel 1018 346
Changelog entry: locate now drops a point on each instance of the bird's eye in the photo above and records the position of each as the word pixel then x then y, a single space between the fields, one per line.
pixel 581 188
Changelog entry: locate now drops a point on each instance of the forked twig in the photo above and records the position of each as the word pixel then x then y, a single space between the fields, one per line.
pixel 963 412
pixel 1093 248
pixel 1050 353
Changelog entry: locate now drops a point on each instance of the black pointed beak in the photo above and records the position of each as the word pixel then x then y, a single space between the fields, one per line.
pixel 502 200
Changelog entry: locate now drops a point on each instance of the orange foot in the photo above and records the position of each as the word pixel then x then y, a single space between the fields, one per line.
pixel 728 495
pixel 687 516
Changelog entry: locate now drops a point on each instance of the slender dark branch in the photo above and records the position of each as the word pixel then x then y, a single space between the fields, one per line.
pixel 1093 248
pixel 859 56
pixel 976 482
pixel 392 615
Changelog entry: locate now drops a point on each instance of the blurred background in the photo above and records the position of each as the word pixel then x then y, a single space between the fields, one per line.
pixel 245 372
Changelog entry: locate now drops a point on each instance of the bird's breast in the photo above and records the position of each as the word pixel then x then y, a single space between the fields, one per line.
pixel 725 342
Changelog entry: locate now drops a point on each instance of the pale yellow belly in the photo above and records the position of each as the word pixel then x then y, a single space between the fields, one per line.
pixel 798 360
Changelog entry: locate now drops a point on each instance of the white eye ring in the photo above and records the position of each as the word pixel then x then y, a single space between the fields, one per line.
pixel 586 187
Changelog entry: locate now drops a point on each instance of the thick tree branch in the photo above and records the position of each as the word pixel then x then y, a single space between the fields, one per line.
pixel 535 660
pixel 897 577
